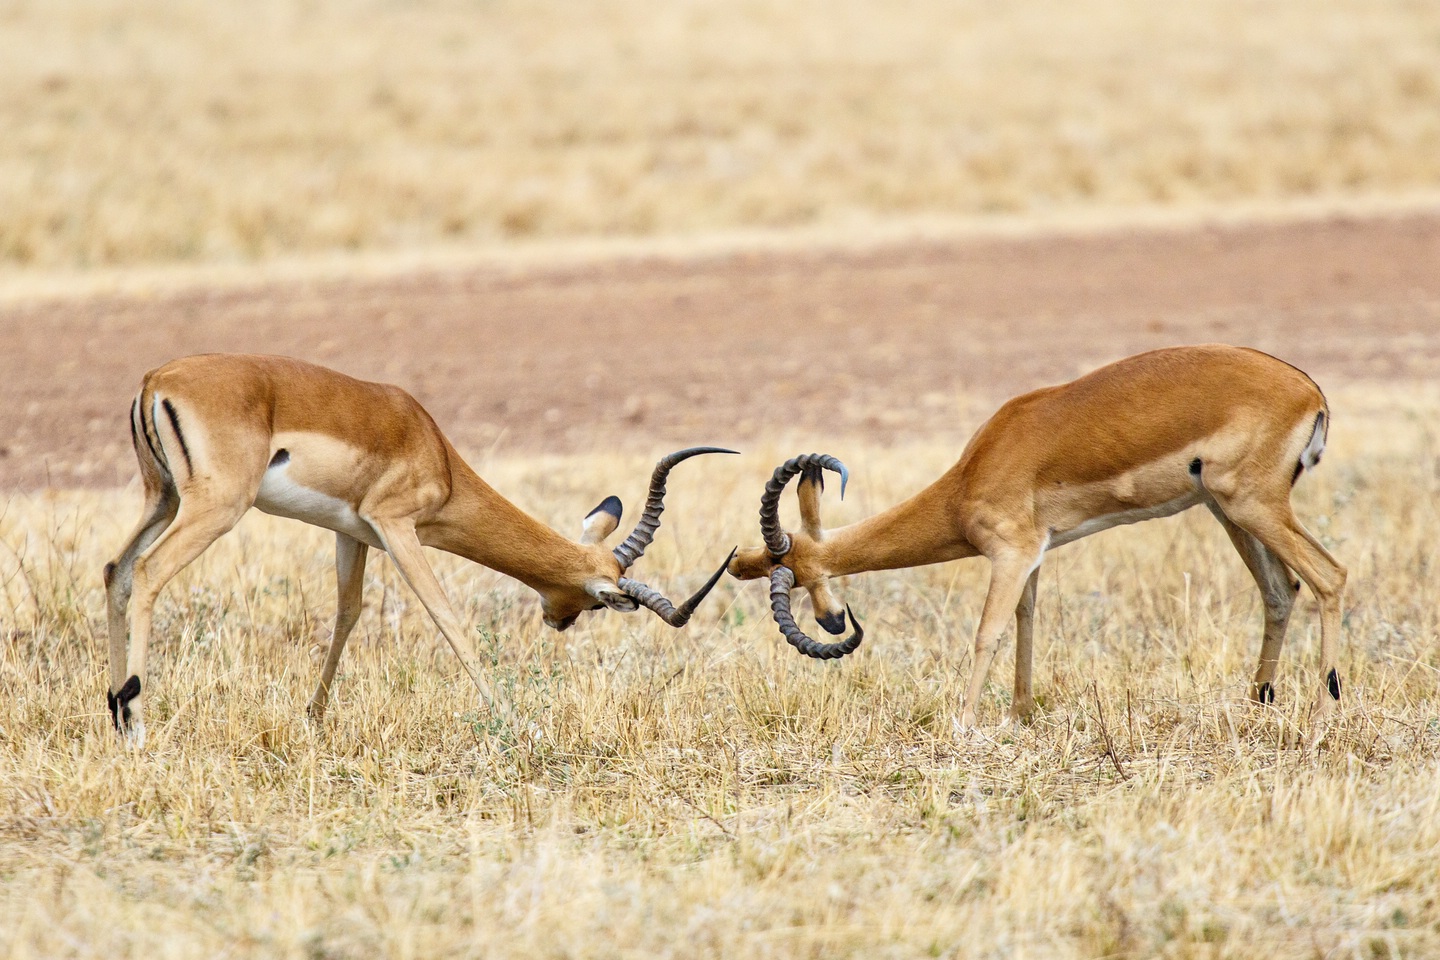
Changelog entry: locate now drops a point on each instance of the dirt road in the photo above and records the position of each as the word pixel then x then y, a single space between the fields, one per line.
pixel 800 346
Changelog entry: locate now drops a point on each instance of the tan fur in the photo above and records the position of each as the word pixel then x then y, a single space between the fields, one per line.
pixel 364 459
pixel 1114 446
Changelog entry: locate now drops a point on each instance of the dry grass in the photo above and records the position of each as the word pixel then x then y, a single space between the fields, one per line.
pixel 707 793
pixel 164 130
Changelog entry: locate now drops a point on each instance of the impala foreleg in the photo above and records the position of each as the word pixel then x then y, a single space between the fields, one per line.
pixel 350 557
pixel 1022 703
pixel 1009 573
pixel 404 548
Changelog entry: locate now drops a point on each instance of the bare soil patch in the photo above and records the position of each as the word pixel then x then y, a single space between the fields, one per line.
pixel 895 343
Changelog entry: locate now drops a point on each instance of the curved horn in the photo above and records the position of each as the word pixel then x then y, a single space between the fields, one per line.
pixel 630 551
pixel 651 598
pixel 777 541
pixel 782 580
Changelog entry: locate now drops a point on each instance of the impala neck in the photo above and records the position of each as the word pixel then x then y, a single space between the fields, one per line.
pixel 924 529
pixel 477 523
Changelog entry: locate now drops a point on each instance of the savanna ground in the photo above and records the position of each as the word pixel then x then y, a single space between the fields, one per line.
pixel 708 792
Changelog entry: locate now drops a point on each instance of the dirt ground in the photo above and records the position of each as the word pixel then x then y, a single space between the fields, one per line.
pixel 796 347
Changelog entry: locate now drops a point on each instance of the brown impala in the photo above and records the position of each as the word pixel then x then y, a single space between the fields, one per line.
pixel 216 435
pixel 1149 436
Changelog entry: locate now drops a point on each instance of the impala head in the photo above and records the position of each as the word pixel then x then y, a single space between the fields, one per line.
pixel 601 581
pixel 800 558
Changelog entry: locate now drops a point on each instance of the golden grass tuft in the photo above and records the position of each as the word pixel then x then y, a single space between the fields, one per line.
pixel 160 131
pixel 707 792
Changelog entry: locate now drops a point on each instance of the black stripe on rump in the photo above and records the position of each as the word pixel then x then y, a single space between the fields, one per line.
pixel 135 434
pixel 147 427
pixel 175 422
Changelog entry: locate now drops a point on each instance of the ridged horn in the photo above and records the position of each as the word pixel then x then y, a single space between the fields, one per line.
pixel 647 596
pixel 634 545
pixel 782 581
pixel 777 541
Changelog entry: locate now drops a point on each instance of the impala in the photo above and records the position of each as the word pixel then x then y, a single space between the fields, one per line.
pixel 218 434
pixel 1146 437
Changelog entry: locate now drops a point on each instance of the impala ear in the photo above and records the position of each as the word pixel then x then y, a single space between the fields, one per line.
pixel 602 521
pixel 613 597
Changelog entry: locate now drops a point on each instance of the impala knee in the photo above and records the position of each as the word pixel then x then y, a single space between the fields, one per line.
pixel 345 622
pixel 1280 601
pixel 139 584
pixel 1331 582
pixel 986 647
pixel 119 581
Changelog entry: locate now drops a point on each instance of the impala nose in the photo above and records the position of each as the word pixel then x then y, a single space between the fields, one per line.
pixel 833 623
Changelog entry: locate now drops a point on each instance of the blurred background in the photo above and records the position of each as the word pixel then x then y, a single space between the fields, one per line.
pixel 169 131
pixel 619 224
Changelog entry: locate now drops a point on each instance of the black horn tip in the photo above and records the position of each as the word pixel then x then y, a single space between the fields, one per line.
pixel 859 630
pixel 688 452
pixel 844 478
pixel 714 579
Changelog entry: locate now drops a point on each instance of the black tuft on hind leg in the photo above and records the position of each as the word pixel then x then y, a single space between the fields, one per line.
pixel 119 703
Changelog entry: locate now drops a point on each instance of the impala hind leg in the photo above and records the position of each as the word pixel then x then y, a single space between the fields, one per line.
pixel 349 595
pixel 160 508
pixel 1009 574
pixel 200 520
pixel 1276 527
pixel 1277 590
pixel 1022 703
pixel 404 548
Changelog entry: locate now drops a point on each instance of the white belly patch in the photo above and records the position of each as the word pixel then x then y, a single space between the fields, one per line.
pixel 1096 524
pixel 282 497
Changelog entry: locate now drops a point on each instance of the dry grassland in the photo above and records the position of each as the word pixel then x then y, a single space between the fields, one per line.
pixel 707 793
pixel 152 131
